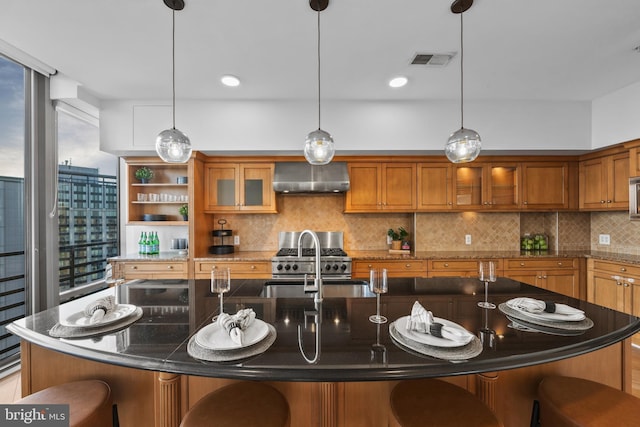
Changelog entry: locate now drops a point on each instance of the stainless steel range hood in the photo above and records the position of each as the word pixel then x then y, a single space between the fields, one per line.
pixel 301 177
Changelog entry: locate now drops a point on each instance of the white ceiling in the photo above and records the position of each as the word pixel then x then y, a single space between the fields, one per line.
pixel 514 49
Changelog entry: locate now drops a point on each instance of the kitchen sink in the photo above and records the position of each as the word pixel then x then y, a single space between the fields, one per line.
pixel 330 289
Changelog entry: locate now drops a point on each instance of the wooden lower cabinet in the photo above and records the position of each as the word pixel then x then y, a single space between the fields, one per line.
pixel 395 268
pixel 561 275
pixel 158 399
pixel 460 267
pixel 614 285
pixel 152 269
pixel 239 269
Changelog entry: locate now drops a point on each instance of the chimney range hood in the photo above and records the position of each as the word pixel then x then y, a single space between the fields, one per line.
pixel 302 177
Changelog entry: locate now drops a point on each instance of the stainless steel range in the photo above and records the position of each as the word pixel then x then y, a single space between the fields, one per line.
pixel 334 262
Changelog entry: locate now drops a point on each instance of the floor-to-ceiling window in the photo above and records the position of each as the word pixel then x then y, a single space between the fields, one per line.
pixel 12 190
pixel 87 203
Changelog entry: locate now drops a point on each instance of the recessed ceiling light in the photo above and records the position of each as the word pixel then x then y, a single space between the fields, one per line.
pixel 231 81
pixel 398 81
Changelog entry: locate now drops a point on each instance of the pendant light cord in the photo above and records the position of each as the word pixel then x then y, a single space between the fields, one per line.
pixel 318 5
pixel 461 74
pixel 173 69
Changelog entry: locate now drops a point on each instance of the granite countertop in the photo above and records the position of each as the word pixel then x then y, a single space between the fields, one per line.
pixel 385 255
pixel 175 310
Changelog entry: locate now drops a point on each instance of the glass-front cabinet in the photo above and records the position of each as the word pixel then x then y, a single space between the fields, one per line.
pixel 239 187
pixel 486 186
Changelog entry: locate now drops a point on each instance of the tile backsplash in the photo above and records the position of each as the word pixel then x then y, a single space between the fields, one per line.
pixel 493 231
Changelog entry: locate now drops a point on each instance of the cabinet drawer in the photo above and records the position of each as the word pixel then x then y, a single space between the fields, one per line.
pixel 616 268
pixel 537 264
pixel 460 264
pixel 239 269
pixel 155 270
pixel 395 268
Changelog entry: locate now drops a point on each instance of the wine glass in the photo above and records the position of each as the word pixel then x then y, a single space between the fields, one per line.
pixel 114 277
pixel 220 283
pixel 378 285
pixel 487 273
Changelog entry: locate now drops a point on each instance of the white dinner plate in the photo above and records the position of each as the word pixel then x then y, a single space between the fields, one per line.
pixel 428 339
pixel 81 320
pixel 215 337
pixel 553 317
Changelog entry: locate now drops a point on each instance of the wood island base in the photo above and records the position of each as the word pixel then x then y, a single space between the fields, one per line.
pixel 157 399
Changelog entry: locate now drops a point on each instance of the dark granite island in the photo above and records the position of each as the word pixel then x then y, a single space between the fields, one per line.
pixel 155 380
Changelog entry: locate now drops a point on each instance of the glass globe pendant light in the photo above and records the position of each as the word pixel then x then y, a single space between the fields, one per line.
pixel 464 145
pixel 318 147
pixel 172 145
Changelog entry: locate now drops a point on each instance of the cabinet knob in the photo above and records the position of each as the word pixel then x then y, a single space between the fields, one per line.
pixel 135 267
pixel 446 264
pixel 623 269
pixel 608 201
pixel 170 267
pixel 369 266
pixel 407 265
pixel 253 267
pixel 544 277
pixel 525 203
pixel 450 203
pixel 625 284
pixel 522 264
pixel 485 203
pixel 602 201
pixel 560 263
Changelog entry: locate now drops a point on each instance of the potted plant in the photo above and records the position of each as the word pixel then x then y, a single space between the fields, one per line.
pixel 184 211
pixel 397 237
pixel 144 174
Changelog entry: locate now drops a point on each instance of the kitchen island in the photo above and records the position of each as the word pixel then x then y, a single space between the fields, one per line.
pixel 155 380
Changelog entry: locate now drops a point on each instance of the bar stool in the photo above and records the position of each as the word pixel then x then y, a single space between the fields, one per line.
pixel 90 402
pixel 576 402
pixel 431 402
pixel 240 404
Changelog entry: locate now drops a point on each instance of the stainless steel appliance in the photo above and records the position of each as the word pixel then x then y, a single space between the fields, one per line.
pixel 634 198
pixel 334 262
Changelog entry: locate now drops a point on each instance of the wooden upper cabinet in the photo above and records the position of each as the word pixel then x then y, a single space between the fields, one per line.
pixel 486 186
pixel 162 195
pixel 546 186
pixel 435 186
pixel 604 183
pixel 240 187
pixel 379 187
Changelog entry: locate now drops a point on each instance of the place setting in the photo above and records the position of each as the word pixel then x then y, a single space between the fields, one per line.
pixel 422 333
pixel 100 316
pixel 230 337
pixel 530 314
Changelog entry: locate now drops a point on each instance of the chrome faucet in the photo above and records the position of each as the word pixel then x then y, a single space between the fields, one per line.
pixel 317 282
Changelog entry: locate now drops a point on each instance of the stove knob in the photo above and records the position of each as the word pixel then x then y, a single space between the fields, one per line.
pixel 287 267
pixel 279 267
pixel 343 267
pixel 295 267
pixel 335 267
pixel 327 267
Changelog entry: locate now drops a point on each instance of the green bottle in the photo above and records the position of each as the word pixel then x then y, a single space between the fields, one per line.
pixel 141 243
pixel 155 242
pixel 147 244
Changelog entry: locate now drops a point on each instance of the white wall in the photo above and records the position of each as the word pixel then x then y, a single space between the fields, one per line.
pixel 253 127
pixel 616 117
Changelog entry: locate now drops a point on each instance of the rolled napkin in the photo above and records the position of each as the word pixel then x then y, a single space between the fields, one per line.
pixel 421 320
pixel 535 306
pixel 236 324
pixel 98 308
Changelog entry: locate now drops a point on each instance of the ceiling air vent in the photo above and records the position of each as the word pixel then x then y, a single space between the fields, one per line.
pixel 432 59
